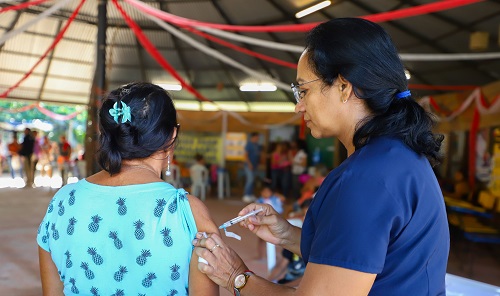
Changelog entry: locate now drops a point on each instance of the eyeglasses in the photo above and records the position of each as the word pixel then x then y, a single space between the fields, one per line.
pixel 297 93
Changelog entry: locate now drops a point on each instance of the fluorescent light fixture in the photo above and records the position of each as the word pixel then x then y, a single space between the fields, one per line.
pixel 188 105
pixel 169 86
pixel 313 8
pixel 407 74
pixel 272 107
pixel 258 87
pixel 234 106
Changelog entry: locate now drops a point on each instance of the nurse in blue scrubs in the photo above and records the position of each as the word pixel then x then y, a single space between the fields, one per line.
pixel 377 225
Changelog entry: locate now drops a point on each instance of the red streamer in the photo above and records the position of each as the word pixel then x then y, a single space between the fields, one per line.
pixel 243 50
pixel 302 129
pixel 52 46
pixel 22 5
pixel 151 49
pixel 476 118
pixel 436 106
pixel 379 17
pixel 55 115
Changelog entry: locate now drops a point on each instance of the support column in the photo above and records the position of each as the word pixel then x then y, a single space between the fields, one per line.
pixel 222 180
pixel 97 91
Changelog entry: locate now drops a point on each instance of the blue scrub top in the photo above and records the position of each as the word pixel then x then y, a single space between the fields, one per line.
pixel 382 212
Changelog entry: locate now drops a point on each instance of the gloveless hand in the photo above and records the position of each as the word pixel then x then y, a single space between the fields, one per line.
pixel 268 224
pixel 223 262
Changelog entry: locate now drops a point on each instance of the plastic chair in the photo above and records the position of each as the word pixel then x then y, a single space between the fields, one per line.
pixel 199 184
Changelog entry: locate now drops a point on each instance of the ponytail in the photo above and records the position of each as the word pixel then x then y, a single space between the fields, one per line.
pixel 406 120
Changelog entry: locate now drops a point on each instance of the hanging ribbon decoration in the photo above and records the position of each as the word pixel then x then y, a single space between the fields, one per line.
pixel 52 46
pixel 215 54
pixel 19 110
pixel 243 50
pixel 481 107
pixel 251 40
pixel 56 116
pixel 44 111
pixel 21 6
pixel 242 120
pixel 151 49
pixel 39 17
pixel 379 17
pixel 476 96
pixel 425 57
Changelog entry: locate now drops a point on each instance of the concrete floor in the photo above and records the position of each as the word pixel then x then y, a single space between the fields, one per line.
pixel 21 211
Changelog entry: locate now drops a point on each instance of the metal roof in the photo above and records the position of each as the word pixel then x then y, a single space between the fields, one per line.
pixel 66 74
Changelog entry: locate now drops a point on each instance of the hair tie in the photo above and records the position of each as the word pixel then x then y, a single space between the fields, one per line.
pixel 124 112
pixel 403 94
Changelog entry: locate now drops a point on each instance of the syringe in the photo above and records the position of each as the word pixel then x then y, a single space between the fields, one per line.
pixel 240 218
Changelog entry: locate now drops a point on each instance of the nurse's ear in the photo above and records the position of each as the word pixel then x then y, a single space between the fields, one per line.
pixel 345 88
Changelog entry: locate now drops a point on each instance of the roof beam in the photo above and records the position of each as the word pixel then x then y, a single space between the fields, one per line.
pixel 49 62
pixel 11 26
pixel 249 47
pixel 424 39
pixel 181 55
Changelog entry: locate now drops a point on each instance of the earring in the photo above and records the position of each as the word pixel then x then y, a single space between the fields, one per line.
pixel 168 172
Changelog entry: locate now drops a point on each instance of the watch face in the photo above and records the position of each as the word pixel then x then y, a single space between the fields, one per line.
pixel 239 281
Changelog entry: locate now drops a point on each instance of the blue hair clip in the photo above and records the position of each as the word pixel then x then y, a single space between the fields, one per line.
pixel 124 112
pixel 403 94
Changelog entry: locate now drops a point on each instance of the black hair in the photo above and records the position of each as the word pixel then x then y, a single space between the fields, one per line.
pixel 198 157
pixel 151 128
pixel 363 53
pixel 253 134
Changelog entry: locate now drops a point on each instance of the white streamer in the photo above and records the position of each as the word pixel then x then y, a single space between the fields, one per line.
pixel 215 54
pixel 474 96
pixel 42 15
pixel 423 57
pixel 242 120
pixel 251 40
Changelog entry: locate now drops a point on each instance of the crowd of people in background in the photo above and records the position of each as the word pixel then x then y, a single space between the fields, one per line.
pixel 31 154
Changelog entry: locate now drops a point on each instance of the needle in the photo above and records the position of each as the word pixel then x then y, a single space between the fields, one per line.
pixel 240 218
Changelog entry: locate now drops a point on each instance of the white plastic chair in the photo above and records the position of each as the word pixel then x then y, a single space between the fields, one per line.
pixel 199 183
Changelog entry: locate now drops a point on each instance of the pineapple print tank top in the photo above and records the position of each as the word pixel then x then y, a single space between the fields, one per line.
pixel 120 240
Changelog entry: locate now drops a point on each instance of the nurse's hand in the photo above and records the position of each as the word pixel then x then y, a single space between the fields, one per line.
pixel 223 262
pixel 269 225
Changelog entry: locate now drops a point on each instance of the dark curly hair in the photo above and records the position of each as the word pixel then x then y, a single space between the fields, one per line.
pixel 363 53
pixel 152 125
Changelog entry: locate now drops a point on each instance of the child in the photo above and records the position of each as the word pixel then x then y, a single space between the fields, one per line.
pixel 267 196
pixel 291 267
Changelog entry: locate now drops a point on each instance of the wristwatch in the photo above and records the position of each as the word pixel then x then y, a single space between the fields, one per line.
pixel 240 281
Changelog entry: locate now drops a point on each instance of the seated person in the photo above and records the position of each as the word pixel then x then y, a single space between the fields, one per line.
pixel 291 267
pixel 312 185
pixel 199 176
pixel 461 188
